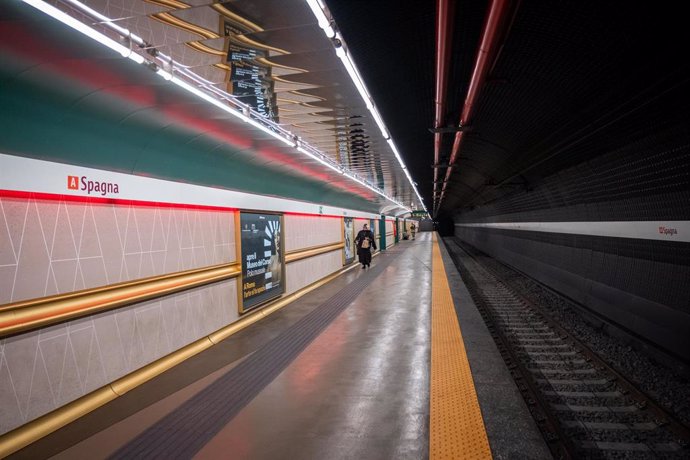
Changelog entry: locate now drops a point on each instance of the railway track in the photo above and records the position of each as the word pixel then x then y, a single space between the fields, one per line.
pixel 584 408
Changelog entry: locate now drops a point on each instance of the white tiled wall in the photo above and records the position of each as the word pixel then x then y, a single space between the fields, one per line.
pixel 53 247
pixel 45 369
pixel 359 223
pixel 303 231
pixel 306 271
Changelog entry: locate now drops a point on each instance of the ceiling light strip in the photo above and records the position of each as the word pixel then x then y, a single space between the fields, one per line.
pixel 168 69
pixel 86 30
pixel 319 10
pixel 317 7
pixel 95 14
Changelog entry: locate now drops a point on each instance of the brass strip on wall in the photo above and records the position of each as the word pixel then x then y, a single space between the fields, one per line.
pixel 33 314
pixel 43 426
pixel 174 4
pixel 236 17
pixel 69 295
pixel 300 254
pixel 169 19
pixel 33 431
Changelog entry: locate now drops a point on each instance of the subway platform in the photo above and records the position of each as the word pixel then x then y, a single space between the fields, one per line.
pixel 391 362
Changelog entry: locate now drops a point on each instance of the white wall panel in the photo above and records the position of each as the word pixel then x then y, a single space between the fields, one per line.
pixel 306 271
pixel 56 247
pixel 390 239
pixel 46 369
pixel 304 231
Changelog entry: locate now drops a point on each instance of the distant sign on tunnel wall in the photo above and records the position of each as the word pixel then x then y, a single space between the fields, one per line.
pixel 262 258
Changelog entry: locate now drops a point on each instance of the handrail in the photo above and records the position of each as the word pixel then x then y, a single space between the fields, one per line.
pixel 36 313
pixel 33 314
pixel 300 254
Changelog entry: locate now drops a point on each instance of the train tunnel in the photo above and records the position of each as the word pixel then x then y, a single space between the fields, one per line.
pixel 344 229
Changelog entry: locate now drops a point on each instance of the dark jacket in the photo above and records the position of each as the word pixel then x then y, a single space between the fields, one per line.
pixel 361 236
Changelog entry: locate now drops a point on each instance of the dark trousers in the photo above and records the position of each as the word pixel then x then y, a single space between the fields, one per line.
pixel 365 256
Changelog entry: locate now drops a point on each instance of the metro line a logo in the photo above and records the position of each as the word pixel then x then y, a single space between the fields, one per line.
pixel 72 182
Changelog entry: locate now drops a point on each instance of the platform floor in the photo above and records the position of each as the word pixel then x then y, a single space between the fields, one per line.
pixel 344 372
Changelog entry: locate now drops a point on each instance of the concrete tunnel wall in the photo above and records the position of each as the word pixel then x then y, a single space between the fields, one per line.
pixel 634 271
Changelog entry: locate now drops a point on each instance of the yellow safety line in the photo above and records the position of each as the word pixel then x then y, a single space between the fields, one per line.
pixel 456 424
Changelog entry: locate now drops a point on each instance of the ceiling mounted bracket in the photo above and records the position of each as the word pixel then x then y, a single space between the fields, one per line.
pixel 450 129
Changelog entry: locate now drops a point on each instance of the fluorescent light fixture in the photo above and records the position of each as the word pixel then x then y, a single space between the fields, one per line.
pixel 208 98
pixel 382 127
pixel 354 75
pixel 166 75
pixel 396 153
pixel 318 8
pixel 84 29
pixel 93 13
pixel 323 161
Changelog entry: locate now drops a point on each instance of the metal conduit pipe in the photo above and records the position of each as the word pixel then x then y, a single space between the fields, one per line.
pixel 444 31
pixel 487 47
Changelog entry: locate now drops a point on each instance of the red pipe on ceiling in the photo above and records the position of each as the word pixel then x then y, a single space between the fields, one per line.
pixel 444 32
pixel 485 54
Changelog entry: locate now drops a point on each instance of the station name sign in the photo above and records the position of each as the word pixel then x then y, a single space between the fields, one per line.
pixel 668 231
pixel 89 186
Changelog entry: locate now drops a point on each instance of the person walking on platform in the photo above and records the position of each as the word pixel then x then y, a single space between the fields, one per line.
pixel 412 230
pixel 365 243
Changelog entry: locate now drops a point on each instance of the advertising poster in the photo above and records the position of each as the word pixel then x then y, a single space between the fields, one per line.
pixel 250 81
pixel 349 229
pixel 373 223
pixel 262 258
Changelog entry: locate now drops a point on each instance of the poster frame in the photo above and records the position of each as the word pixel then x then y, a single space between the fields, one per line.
pixel 343 227
pixel 238 228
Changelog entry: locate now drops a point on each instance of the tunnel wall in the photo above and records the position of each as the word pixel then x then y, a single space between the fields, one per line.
pixel 62 242
pixel 426 225
pixel 612 233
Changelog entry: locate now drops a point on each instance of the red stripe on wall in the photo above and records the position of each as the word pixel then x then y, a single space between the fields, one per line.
pixel 113 201
pixel 312 215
